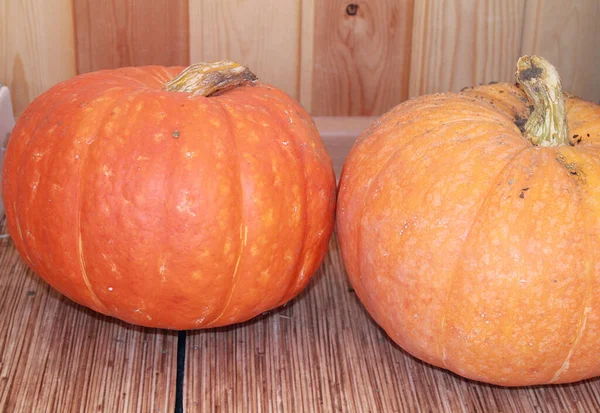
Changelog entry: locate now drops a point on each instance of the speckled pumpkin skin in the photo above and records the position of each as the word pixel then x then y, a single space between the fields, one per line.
pixel 476 251
pixel 165 210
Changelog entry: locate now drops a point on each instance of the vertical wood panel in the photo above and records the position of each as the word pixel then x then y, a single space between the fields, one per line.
pixel 117 33
pixel 307 43
pixel 361 56
pixel 36 47
pixel 459 43
pixel 567 34
pixel 263 35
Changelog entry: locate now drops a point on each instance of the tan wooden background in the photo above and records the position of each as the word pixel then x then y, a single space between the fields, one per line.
pixel 336 57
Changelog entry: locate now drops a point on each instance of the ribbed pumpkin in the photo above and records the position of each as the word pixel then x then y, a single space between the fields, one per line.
pixel 141 198
pixel 469 225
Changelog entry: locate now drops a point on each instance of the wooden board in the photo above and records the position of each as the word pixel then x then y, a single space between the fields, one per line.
pixel 463 43
pixel 263 35
pixel 36 47
pixel 567 34
pixel 307 50
pixel 361 56
pixel 56 356
pixel 336 57
pixel 117 33
pixel 323 353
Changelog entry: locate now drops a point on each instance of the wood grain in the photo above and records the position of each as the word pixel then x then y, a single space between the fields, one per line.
pixel 567 34
pixel 323 353
pixel 36 47
pixel 460 43
pixel 361 56
pixel 263 35
pixel 333 62
pixel 117 33
pixel 307 53
pixel 56 356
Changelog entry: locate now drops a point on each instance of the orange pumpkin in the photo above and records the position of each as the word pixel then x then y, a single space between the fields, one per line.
pixel 147 201
pixel 469 225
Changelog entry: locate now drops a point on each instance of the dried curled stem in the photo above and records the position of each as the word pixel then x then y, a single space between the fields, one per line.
pixel 547 124
pixel 206 79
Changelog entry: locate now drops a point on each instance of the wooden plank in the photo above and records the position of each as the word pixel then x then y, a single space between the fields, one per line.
pixel 323 353
pixel 339 134
pixel 361 56
pixel 263 35
pixel 307 46
pixel 36 45
pixel 459 43
pixel 566 34
pixel 56 356
pixel 117 33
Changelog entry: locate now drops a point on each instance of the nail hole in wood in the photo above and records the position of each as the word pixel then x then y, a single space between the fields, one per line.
pixel 352 9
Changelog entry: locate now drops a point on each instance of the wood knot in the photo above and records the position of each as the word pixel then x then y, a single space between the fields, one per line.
pixel 352 9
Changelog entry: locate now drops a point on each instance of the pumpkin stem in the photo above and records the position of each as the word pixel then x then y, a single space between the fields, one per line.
pixel 206 79
pixel 547 124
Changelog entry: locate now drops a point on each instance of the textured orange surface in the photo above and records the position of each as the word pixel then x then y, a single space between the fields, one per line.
pixel 473 249
pixel 165 210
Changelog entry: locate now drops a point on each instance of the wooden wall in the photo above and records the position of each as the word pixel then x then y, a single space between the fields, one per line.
pixel 336 57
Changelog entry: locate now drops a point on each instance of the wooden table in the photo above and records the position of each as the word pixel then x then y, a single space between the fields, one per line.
pixel 319 353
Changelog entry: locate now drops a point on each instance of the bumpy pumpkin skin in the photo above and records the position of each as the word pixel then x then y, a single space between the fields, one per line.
pixel 167 210
pixel 473 249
